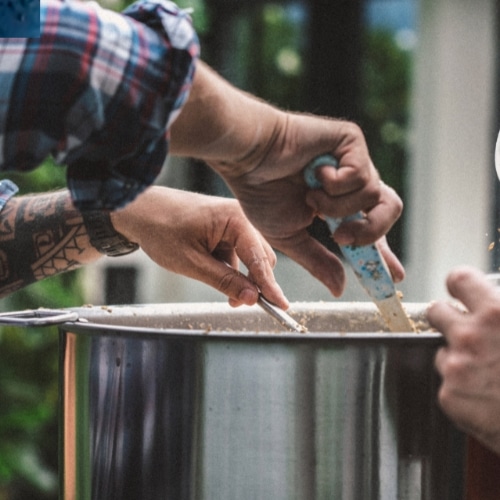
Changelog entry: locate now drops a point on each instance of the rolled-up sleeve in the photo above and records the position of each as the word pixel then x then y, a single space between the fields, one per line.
pixel 98 91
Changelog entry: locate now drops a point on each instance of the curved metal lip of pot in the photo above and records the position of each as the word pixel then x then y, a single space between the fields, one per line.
pixel 201 400
pixel 326 321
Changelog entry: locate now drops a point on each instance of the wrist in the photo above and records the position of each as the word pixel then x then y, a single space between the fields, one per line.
pixel 134 220
pixel 224 126
pixel 260 144
pixel 104 237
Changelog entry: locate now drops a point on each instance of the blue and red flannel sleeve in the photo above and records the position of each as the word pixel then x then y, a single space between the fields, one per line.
pixel 7 190
pixel 98 91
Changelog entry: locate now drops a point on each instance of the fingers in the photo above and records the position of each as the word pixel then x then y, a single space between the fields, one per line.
pixel 378 220
pixel 470 369
pixel 353 190
pixel 469 393
pixel 226 253
pixel 259 258
pixel 395 267
pixel 442 316
pixel 228 280
pixel 240 241
pixel 209 244
pixel 474 328
pixel 241 289
pixel 454 366
pixel 470 286
pixel 316 259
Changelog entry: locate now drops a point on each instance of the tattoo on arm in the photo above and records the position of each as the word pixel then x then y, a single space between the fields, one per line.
pixel 40 236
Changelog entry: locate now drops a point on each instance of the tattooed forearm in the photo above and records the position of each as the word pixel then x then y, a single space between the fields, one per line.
pixel 40 235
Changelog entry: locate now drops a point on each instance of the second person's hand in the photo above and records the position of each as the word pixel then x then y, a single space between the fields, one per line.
pixel 469 363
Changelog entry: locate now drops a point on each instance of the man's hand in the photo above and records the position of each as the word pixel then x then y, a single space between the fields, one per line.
pixel 202 237
pixel 261 153
pixel 275 198
pixel 470 362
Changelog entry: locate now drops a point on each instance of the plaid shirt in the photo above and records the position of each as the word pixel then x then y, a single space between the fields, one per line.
pixel 98 91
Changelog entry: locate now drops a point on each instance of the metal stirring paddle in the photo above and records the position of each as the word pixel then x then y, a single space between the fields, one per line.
pixel 366 262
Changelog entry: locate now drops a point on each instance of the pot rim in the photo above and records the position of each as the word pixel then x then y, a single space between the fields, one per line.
pixel 93 328
pixel 103 319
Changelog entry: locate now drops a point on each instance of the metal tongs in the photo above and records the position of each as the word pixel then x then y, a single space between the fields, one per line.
pixel 281 316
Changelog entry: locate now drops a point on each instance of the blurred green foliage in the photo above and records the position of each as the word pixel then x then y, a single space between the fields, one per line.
pixel 386 73
pixel 29 373
pixel 268 54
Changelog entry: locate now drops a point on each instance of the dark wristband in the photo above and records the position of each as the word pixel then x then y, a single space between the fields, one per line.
pixel 103 236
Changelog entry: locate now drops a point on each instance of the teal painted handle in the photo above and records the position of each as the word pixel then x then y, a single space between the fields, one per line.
pixel 366 261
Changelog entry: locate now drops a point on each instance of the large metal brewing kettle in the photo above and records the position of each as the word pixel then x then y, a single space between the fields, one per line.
pixel 206 402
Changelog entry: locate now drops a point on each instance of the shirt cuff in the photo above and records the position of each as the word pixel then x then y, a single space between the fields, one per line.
pixel 7 190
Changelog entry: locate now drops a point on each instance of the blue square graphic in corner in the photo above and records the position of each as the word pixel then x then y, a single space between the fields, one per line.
pixel 19 18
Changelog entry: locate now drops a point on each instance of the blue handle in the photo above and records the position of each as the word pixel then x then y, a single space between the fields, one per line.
pixel 366 261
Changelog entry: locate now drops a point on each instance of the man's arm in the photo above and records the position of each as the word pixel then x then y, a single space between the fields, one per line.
pixel 202 237
pixel 96 91
pixel 261 153
pixel 40 236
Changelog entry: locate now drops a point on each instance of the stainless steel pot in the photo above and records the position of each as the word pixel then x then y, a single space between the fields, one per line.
pixel 205 402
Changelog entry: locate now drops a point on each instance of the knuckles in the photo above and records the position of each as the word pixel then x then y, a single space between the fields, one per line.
pixel 467 338
pixel 454 369
pixel 459 277
pixel 352 131
pixel 227 282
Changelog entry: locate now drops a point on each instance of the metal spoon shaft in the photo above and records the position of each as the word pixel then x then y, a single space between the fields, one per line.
pixel 281 316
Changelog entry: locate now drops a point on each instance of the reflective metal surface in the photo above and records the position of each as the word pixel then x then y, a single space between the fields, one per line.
pixel 282 317
pixel 38 317
pixel 205 402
